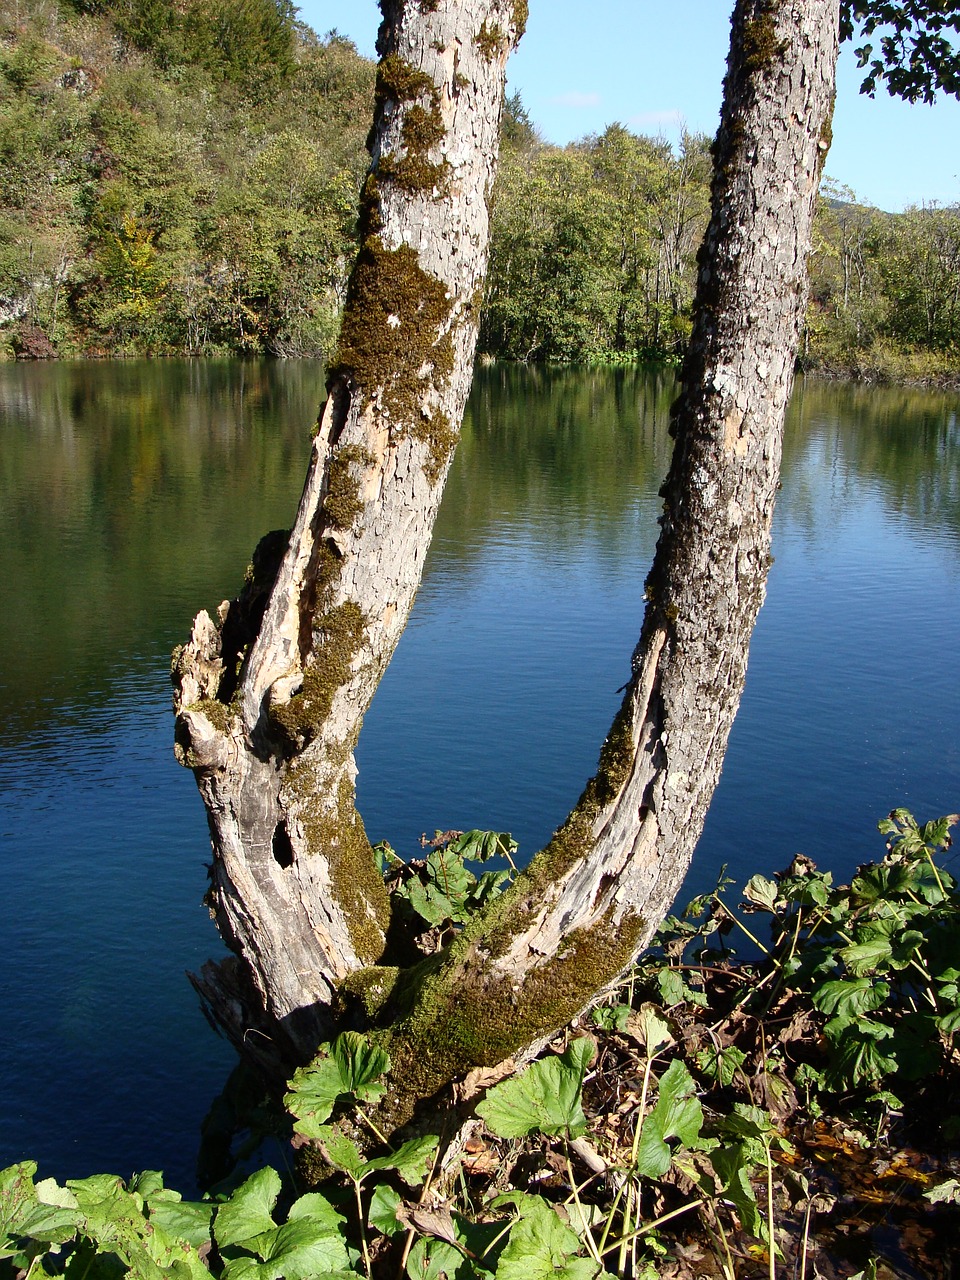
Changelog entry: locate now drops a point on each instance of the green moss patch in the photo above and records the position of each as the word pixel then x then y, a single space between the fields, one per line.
pixel 393 339
pixel 343 503
pixel 435 430
pixel 490 41
pixel 372 986
pixel 421 130
pixel 459 1024
pixel 336 831
pixel 338 636
pixel 761 46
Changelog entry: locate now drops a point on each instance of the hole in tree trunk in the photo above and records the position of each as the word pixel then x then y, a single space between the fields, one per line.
pixel 282 848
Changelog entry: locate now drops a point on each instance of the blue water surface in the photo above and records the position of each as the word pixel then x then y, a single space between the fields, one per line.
pixel 132 495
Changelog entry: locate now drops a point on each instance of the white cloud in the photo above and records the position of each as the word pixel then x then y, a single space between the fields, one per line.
pixel 657 119
pixel 576 99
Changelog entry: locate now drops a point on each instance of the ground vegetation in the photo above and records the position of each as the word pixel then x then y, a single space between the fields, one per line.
pixel 770 1091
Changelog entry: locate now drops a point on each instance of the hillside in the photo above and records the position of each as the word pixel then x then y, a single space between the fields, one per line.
pixel 183 179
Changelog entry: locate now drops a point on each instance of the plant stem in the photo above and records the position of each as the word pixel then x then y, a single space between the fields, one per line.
pixel 933 868
pixel 650 1226
pixel 740 925
pixel 367 1266
pixel 586 1237
pixel 770 1241
pixel 372 1127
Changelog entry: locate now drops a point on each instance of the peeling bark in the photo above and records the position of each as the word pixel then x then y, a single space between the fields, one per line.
pixel 592 899
pixel 270 697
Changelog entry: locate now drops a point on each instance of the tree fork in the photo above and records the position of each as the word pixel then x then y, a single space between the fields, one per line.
pixel 592 899
pixel 270 697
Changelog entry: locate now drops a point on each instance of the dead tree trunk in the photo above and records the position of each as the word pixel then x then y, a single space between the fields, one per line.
pixel 270 698
pixel 269 729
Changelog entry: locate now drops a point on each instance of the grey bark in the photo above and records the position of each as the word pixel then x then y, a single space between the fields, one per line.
pixel 294 888
pixel 268 709
pixel 594 897
pixel 707 582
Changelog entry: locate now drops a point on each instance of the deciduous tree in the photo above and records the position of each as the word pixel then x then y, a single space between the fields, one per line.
pixel 270 696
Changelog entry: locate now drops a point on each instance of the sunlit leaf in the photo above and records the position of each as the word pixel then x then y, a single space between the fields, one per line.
pixel 762 892
pixel 383 1210
pixel 544 1098
pixel 249 1211
pixel 866 957
pixel 652 1029
pixel 349 1071
pixel 411 1161
pixel 677 1115
pixel 542 1247
pixel 432 1259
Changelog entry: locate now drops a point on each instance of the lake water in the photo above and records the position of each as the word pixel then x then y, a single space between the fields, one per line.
pixel 132 494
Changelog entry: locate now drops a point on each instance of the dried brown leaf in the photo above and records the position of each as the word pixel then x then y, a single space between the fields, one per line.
pixel 481 1078
pixel 429 1222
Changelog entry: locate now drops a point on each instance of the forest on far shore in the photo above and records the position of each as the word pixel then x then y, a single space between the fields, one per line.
pixel 183 180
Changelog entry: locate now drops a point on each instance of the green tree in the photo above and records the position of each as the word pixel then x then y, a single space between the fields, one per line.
pixel 919 262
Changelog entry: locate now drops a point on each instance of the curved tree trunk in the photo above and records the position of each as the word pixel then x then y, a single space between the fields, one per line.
pixel 592 899
pixel 294 887
pixel 269 700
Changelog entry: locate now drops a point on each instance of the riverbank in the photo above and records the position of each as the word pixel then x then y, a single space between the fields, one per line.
pixel 716 1117
pixel 882 365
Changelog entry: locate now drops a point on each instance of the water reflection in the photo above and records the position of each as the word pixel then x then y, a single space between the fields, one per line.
pixel 132 494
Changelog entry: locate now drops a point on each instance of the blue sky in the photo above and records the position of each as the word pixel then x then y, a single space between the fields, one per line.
pixel 657 66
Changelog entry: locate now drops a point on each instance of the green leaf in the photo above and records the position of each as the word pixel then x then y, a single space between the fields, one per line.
pixel 342 1153
pixel 866 957
pixel 316 1208
pixel 450 877
pixel 350 1071
pixel 383 1211
pixel 856 1057
pixel 301 1249
pixel 429 904
pixel 612 1017
pixel 146 1184
pixel 183 1220
pixel 671 986
pixel 17 1196
pixel 845 998
pixel 249 1211
pixel 732 1165
pixel 762 892
pixel 721 1065
pixel 361 1065
pixel 542 1247
pixel 479 846
pixel 944 1192
pixel 917 1047
pixel 652 1029
pixel 411 1161
pixel 544 1098
pixel 436 1260
pixel 676 1115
